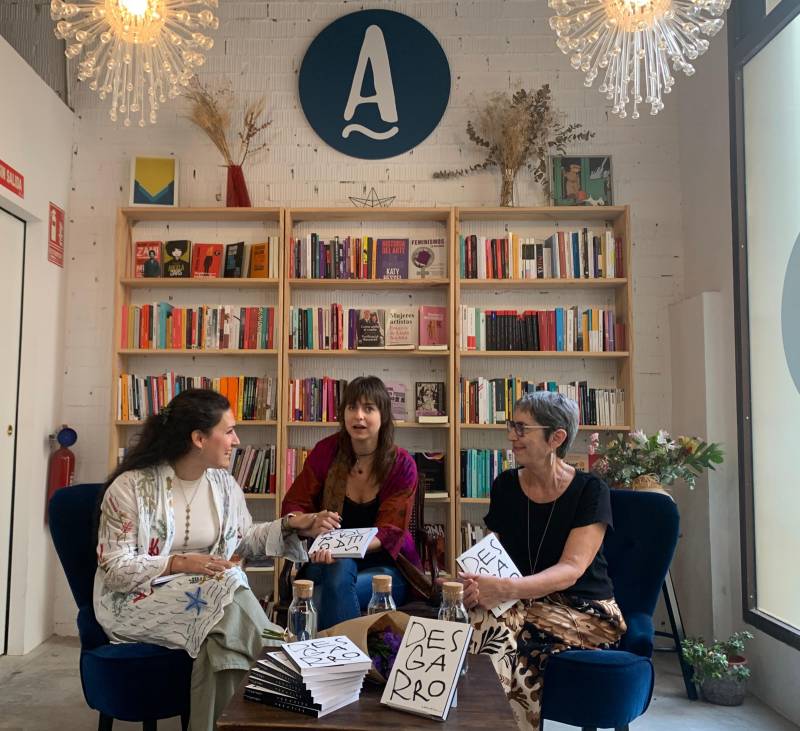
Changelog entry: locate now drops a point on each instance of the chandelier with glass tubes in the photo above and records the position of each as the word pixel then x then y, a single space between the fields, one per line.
pixel 633 42
pixel 138 53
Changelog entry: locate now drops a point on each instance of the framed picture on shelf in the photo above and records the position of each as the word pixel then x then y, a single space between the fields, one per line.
pixel 581 181
pixel 154 181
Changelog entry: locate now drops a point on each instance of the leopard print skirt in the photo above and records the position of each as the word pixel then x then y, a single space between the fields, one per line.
pixel 521 641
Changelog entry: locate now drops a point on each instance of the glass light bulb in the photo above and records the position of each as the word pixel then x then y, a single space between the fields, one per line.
pixel 134 7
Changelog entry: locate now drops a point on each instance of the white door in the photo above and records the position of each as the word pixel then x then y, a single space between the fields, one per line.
pixel 12 253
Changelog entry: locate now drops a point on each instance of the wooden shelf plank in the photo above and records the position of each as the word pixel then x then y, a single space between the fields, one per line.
pixel 219 353
pixel 366 283
pixel 192 283
pixel 297 215
pixel 613 355
pixel 542 284
pixel 258 496
pixel 369 353
pixel 474 500
pixel 162 213
pixel 397 424
pixel 545 213
pixel 243 422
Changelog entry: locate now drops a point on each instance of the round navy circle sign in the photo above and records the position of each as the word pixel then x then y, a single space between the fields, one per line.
pixel 374 84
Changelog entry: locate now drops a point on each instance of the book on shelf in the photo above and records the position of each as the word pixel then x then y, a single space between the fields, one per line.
pixel 472 533
pixel 431 473
pixel 392 259
pixel 263 259
pixel 344 542
pixel 578 460
pixel 370 333
pixel 488 556
pixel 313 677
pixel 479 468
pixel 431 406
pixel 234 259
pixel 427 259
pixel 255 468
pixel 147 259
pixel 401 328
pixel 437 533
pixel 397 397
pixel 425 673
pixel 295 459
pixel 206 261
pixel 432 327
pixel 177 259
pixel 315 399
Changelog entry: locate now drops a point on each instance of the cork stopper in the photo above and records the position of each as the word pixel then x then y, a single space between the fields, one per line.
pixel 453 590
pixel 303 588
pixel 382 583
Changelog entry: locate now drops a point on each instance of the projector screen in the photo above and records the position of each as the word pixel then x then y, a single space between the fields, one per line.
pixel 771 85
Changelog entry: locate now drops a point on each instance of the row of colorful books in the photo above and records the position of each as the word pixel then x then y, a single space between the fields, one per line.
pixel 181 258
pixel 255 468
pixel 491 400
pixel 366 257
pixel 579 254
pixel 138 397
pixel 336 327
pixel 562 329
pixel 480 467
pixel 162 326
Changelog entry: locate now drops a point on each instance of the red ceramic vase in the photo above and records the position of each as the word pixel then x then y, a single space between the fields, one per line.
pixel 237 195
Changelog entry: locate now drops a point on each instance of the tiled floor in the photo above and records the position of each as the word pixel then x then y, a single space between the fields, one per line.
pixel 42 692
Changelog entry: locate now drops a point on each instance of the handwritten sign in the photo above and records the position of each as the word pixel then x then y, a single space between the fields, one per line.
pixel 345 542
pixel 425 674
pixel 11 179
pixel 327 652
pixel 489 557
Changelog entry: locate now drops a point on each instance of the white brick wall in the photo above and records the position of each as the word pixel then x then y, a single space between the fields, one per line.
pixel 259 47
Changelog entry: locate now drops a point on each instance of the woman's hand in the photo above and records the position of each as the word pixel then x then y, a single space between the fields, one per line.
pixel 311 525
pixel 198 563
pixel 483 590
pixel 323 556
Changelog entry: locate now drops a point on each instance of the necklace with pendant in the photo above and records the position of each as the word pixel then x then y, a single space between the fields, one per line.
pixel 533 563
pixel 188 504
pixel 357 466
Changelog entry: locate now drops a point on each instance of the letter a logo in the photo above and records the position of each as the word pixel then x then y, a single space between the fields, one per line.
pixel 373 50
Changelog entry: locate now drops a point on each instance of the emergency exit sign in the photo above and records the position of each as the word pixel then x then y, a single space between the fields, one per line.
pixel 11 179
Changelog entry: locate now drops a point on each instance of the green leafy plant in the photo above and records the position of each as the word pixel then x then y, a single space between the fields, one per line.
pixel 518 130
pixel 719 660
pixel 659 457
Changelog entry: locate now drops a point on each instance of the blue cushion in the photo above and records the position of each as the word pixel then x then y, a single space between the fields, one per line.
pixel 598 688
pixel 136 681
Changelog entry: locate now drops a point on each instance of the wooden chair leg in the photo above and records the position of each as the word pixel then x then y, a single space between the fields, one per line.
pixel 105 723
pixel 151 725
pixel 185 721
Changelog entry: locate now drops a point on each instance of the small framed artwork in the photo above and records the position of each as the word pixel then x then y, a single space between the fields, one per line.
pixel 581 181
pixel 154 181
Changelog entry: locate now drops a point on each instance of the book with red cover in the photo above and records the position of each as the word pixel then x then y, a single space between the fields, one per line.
pixel 147 259
pixel 207 261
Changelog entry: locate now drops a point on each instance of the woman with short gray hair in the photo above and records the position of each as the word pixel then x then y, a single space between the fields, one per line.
pixel 551 519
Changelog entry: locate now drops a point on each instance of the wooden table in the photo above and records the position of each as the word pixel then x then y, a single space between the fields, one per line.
pixel 481 705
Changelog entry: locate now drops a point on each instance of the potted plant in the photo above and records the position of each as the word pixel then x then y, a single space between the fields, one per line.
pixel 642 462
pixel 721 669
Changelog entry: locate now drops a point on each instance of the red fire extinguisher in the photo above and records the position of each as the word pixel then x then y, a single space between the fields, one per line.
pixel 61 466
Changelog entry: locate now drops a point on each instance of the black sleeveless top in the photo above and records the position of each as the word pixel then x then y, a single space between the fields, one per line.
pixel 359 515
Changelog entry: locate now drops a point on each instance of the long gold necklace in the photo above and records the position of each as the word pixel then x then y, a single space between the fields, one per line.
pixel 188 504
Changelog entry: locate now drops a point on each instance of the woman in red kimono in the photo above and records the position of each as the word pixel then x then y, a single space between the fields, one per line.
pixel 357 478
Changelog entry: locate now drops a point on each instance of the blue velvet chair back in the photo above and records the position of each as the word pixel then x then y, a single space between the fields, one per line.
pixel 71 516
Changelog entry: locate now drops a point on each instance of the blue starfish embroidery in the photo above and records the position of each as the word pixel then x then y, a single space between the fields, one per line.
pixel 195 602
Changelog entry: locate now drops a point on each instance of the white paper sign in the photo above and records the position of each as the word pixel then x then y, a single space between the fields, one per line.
pixel 326 652
pixel 345 542
pixel 489 557
pixel 424 676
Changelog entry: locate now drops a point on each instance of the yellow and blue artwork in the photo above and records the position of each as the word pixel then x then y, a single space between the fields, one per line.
pixel 154 181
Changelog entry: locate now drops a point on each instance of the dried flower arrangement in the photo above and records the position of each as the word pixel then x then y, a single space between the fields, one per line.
pixel 210 111
pixel 519 130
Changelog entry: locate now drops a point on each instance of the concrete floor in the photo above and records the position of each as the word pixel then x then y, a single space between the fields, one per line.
pixel 41 691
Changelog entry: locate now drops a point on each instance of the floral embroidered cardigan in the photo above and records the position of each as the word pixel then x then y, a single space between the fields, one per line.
pixel 395 497
pixel 136 534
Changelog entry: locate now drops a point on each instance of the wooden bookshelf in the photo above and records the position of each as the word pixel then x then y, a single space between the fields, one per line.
pixel 613 293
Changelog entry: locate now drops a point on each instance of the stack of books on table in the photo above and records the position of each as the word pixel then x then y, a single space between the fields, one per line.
pixel 314 677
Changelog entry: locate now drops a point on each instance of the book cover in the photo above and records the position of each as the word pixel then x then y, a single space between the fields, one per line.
pixel 370 329
pixel 322 653
pixel 437 532
pixel 401 328
pixel 206 261
pixel 147 259
pixel 177 261
pixel 392 259
pixel 432 327
pixel 430 402
pixel 427 259
pixel 259 261
pixel 345 542
pixel 431 473
pixel 488 556
pixel 425 674
pixel 397 396
pixel 234 258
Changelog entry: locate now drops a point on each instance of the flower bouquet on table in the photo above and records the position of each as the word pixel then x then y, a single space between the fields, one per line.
pixel 641 462
pixel 378 635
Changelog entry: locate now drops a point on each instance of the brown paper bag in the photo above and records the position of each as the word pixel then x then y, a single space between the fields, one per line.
pixel 357 630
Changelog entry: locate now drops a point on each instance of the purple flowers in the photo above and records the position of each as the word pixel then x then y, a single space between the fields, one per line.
pixel 382 647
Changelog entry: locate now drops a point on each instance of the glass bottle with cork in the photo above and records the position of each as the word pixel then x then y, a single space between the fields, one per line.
pixel 452 608
pixel 302 615
pixel 381 600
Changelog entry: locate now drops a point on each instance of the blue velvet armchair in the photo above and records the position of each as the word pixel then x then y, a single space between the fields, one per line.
pixel 134 681
pixel 610 688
